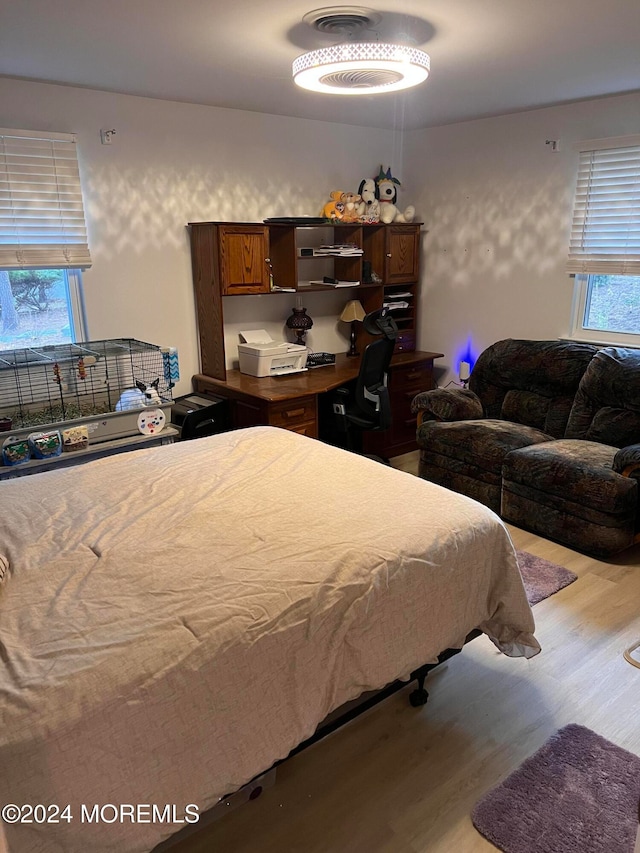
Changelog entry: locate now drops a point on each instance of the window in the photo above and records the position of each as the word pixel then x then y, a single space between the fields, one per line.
pixel 605 242
pixel 43 240
pixel 40 307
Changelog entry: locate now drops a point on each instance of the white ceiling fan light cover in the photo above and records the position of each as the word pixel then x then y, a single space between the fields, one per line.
pixel 361 68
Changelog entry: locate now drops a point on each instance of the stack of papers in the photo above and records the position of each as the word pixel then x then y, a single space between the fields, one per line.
pixel 339 249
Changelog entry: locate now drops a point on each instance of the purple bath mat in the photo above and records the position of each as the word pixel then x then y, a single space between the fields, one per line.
pixel 542 578
pixel 578 793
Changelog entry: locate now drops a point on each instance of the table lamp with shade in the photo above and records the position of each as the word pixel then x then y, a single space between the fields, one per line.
pixel 353 313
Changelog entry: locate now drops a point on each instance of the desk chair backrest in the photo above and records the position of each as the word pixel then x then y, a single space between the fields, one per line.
pixel 367 405
pixel 371 393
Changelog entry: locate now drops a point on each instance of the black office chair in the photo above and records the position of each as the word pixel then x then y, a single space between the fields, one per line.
pixel 368 406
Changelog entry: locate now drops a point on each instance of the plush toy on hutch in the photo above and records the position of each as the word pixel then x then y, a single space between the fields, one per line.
pixel 387 193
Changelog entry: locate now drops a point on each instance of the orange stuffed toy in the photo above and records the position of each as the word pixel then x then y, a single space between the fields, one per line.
pixel 334 209
pixel 351 203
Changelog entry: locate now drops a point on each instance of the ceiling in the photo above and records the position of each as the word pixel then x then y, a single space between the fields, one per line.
pixel 488 57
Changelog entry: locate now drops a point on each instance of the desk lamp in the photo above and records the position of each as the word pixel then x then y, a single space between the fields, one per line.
pixel 299 321
pixel 353 313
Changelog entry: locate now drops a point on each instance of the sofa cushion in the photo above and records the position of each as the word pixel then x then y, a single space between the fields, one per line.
pixel 573 470
pixel 525 407
pixel 544 413
pixel 607 403
pixel 480 444
pixel 618 427
pixel 531 382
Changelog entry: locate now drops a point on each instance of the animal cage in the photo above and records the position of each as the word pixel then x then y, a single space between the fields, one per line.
pixel 81 382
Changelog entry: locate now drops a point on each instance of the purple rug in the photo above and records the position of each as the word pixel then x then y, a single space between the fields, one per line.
pixel 542 578
pixel 578 793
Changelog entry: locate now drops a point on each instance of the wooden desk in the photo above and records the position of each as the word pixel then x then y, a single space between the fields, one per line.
pixel 292 401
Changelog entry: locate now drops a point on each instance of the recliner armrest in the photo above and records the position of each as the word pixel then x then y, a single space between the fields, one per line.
pixel 627 461
pixel 447 404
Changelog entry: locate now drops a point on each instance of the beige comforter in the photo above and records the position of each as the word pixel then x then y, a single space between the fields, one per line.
pixel 177 619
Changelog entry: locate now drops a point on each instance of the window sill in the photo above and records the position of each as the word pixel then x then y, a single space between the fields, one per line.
pixel 600 342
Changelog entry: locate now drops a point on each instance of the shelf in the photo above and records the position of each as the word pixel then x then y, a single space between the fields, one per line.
pixel 327 288
pixel 231 259
pixel 93 451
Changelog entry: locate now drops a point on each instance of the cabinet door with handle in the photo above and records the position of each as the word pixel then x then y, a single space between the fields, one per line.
pixel 244 259
pixel 401 253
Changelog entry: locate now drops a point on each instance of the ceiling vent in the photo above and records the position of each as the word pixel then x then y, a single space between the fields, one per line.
pixel 342 20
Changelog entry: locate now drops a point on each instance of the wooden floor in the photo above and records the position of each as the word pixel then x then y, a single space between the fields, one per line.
pixel 404 780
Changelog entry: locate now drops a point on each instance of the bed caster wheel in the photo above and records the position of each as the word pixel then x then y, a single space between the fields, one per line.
pixel 418 697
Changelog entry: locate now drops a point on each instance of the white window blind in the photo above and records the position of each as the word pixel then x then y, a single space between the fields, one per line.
pixel 42 221
pixel 605 233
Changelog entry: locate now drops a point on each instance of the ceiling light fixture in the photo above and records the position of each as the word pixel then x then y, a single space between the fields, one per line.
pixel 357 67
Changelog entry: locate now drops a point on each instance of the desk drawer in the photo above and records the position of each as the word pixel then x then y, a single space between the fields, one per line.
pixel 310 429
pixel 406 341
pixel 412 378
pixel 293 413
pixel 407 380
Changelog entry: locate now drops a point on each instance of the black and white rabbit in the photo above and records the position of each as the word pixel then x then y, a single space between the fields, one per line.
pixel 144 394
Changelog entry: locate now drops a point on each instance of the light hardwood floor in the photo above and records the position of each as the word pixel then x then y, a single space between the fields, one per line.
pixel 404 780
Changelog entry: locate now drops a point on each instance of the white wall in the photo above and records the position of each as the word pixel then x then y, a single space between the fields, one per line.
pixel 172 163
pixel 496 202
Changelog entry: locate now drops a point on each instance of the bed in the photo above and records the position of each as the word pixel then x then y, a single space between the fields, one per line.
pixel 177 619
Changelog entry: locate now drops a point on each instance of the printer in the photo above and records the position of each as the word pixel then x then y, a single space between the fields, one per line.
pixel 260 355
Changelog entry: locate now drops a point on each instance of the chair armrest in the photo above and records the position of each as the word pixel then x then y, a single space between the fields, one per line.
pixel 384 411
pixel 446 404
pixel 627 461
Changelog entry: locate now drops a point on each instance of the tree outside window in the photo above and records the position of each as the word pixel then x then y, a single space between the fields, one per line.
pixel 35 308
pixel 613 303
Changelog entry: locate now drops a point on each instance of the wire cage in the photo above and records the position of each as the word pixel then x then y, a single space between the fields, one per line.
pixel 63 382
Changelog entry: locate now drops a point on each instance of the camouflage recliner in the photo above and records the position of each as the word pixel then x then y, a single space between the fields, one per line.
pixel 546 437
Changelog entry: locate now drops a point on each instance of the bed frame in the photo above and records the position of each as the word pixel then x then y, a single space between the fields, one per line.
pixel 343 715
pixel 334 721
pixel 346 713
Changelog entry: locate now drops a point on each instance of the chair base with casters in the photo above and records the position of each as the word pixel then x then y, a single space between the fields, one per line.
pixel 367 406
